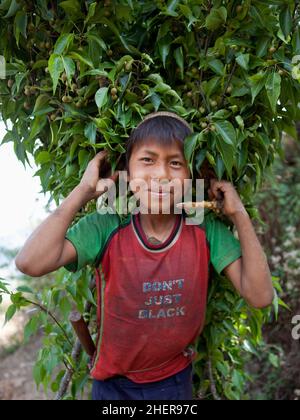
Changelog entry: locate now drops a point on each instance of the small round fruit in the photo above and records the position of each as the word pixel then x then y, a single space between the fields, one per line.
pixel 190 94
pixel 10 83
pixel 128 66
pixel 66 99
pixel 202 110
pixel 114 91
pixel 109 53
pixel 272 50
pixel 33 90
pixel 203 125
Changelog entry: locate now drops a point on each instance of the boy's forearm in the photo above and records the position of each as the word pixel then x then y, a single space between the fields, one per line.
pixel 256 280
pixel 44 247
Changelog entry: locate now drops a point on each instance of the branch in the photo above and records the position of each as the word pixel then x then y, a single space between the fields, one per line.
pixel 213 387
pixel 227 84
pixel 42 308
pixel 76 353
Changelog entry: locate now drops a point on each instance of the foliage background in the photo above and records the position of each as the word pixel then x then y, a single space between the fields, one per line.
pixel 82 74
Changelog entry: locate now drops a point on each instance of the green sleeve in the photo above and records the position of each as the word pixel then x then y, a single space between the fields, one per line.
pixel 224 247
pixel 89 237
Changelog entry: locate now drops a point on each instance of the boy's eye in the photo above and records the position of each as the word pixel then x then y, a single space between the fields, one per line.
pixel 146 159
pixel 176 163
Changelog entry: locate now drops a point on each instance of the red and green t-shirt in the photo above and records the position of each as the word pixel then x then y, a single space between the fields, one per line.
pixel 151 298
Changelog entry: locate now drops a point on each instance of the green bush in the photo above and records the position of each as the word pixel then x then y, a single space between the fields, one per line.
pixel 82 74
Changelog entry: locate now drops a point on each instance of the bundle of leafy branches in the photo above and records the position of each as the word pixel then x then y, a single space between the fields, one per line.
pixel 82 74
pixel 280 237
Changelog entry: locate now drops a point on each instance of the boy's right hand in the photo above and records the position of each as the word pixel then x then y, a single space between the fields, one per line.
pixel 90 183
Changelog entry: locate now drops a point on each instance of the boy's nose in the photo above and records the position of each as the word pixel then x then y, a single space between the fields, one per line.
pixel 160 173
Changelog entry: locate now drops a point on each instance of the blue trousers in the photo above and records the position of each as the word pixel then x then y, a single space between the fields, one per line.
pixel 176 387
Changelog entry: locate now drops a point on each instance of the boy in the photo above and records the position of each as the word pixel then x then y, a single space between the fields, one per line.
pixel 152 269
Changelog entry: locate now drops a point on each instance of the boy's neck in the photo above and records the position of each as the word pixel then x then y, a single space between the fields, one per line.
pixel 157 225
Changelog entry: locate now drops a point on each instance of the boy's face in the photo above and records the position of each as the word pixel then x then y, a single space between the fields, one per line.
pixel 158 166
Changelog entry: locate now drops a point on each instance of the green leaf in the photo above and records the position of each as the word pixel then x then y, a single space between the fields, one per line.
pixel 257 83
pixel 72 8
pixel 63 43
pixel 178 55
pixel 90 132
pixel 190 144
pixel 83 59
pixel 274 360
pixel 217 66
pixel 187 12
pixel 37 126
pixel 10 313
pixel 56 67
pixel 199 159
pixel 41 103
pixel 172 5
pixel 20 25
pixel 273 88
pixel 3 287
pixel 43 157
pixel 91 12
pixel 164 46
pixel 83 159
pixel 226 131
pixel 25 289
pixel 98 40
pixel 227 153
pixel 243 61
pixel 69 67
pixel 286 21
pixel 101 97
pixel 216 18
pixel 31 328
pixel 296 42
pixel 220 167
pixel 13 8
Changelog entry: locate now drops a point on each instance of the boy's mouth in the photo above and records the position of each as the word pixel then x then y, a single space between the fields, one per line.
pixel 160 191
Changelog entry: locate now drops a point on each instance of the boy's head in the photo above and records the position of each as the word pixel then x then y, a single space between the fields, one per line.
pixel 155 154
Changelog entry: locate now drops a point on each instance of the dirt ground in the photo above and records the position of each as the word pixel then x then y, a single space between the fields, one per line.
pixel 16 362
pixel 16 381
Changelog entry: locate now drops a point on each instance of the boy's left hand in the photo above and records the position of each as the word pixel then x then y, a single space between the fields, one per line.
pixel 224 190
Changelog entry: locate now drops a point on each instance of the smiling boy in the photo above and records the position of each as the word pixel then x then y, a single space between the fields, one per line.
pixel 152 269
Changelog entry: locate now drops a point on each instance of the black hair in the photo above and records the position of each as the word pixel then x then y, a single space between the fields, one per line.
pixel 164 129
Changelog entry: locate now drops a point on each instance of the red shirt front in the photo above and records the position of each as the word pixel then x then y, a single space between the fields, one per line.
pixel 152 301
